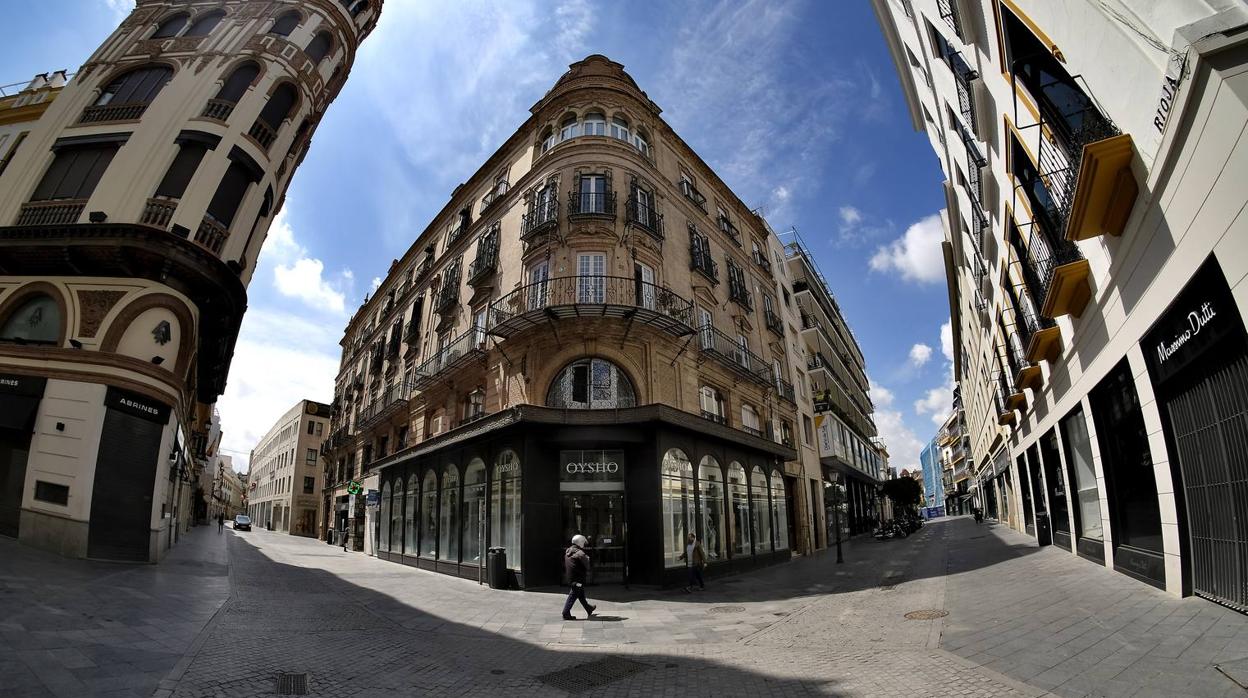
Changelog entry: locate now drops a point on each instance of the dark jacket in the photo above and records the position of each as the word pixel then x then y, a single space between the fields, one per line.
pixel 575 565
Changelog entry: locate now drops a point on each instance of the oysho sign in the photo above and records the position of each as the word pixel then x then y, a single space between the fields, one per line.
pixel 608 468
pixel 591 466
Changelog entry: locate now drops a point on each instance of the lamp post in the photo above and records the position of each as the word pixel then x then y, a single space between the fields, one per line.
pixel 838 496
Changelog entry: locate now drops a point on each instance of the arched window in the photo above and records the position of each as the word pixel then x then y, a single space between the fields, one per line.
pixel 619 129
pixel 595 124
pixel 711 507
pixel 279 106
pixel 505 507
pixel 429 516
pixel 409 515
pixel 396 518
pixel 204 25
pixel 570 128
pixel 779 511
pixel 473 514
pixel 37 320
pixel 139 86
pixel 740 504
pixel 677 485
pixel 171 27
pixel 712 404
pixel 760 511
pixel 448 522
pixel 591 384
pixel 642 141
pixel 548 139
pixel 383 517
pixel 319 47
pixel 236 85
pixel 359 7
pixel 285 24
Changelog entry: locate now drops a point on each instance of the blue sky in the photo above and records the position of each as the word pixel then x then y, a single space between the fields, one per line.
pixel 795 104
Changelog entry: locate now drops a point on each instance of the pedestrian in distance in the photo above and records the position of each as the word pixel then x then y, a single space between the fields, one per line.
pixel 695 559
pixel 576 571
pixel 344 539
pixel 220 522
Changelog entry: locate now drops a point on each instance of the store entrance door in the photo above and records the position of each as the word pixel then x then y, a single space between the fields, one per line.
pixel 599 516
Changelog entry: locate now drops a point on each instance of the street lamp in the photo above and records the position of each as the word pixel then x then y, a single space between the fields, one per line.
pixel 838 498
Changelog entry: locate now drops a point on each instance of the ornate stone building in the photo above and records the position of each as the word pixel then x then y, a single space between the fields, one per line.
pixel 594 335
pixel 131 215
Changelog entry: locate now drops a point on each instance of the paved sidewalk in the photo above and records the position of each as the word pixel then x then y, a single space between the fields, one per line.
pixel 76 627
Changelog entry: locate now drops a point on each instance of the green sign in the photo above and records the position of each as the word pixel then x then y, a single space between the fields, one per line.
pixel 354 487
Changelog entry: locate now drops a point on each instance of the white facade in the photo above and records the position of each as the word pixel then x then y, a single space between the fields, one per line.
pixel 1089 232
pixel 285 471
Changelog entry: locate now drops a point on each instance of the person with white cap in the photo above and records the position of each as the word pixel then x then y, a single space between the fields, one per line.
pixel 576 570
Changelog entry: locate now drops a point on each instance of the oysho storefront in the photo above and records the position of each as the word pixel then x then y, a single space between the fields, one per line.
pixel 634 482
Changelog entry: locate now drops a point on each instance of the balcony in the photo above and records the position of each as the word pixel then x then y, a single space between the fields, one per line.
pixel 591 205
pixel 218 109
pixel 739 291
pixel 773 322
pixel 59 212
pixel 963 74
pixel 411 332
pixel 212 234
pixel 1026 374
pixel 701 262
pixel 543 217
pixel 485 264
pixel 457 232
pixel 761 261
pixel 390 402
pixel 730 230
pixel 732 355
pixel 586 297
pixel 467 348
pixel 949 12
pixel 644 216
pixel 1005 415
pixel 1040 336
pixel 785 390
pixel 446 299
pixel 158 211
pixel 262 133
pixel 113 112
pixel 494 195
pixel 717 418
pixel 692 194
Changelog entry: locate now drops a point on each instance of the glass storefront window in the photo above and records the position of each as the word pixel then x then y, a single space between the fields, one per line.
pixel 396 518
pixel 1127 460
pixel 738 492
pixel 383 518
pixel 409 516
pixel 779 511
pixel 760 511
pixel 429 516
pixel 1024 480
pixel 1082 474
pixel 448 523
pixel 505 507
pixel 711 501
pixel 678 502
pixel 473 510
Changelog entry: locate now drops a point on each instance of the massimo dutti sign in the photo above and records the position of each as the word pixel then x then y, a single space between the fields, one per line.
pixel 1200 315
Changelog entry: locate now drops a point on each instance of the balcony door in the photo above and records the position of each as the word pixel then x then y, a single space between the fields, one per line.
pixel 593 194
pixel 705 330
pixel 644 278
pixel 539 285
pixel 590 287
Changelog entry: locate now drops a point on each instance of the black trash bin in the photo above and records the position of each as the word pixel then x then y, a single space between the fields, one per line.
pixel 1044 534
pixel 496 568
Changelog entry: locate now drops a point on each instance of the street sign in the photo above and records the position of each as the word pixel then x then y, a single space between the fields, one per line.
pixel 373 498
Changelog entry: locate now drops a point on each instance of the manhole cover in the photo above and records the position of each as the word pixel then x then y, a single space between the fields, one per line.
pixel 726 609
pixel 292 685
pixel 927 614
pixel 583 677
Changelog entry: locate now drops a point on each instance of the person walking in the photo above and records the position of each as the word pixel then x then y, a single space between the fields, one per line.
pixel 576 570
pixel 220 522
pixel 695 559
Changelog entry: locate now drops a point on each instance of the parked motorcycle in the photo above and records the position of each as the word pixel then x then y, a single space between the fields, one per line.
pixel 891 529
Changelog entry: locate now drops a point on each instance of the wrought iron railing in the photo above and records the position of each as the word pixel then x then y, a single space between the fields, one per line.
pixel 691 192
pixel 730 230
pixel 591 204
pixel 494 195
pixel 773 321
pixel 785 390
pixel 949 12
pixel 386 403
pixel 714 417
pixel 447 297
pixel 760 259
pixel 485 263
pixel 113 112
pixel 218 109
pixel 701 262
pixel 466 344
pixel 542 216
pixel 731 354
pixel 59 212
pixel 739 290
pixel 644 216
pixel 963 74
pixel 591 291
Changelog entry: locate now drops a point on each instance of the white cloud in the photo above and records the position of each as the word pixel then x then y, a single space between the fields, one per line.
pixel 297 275
pixel 917 254
pixel 374 284
pixel 903 445
pixel 946 339
pixel 850 215
pixel 120 8
pixel 881 396
pixel 920 354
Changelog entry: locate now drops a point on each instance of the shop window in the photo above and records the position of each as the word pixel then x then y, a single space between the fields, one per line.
pixel 383 544
pixel 429 517
pixel 1078 446
pixel 505 507
pixel 37 321
pixel 1127 461
pixel 396 518
pixel 409 515
pixel 779 511
pixel 711 512
pixel 760 512
pixel 448 522
pixel 473 515
pixel 591 384
pixel 738 492
pixel 678 505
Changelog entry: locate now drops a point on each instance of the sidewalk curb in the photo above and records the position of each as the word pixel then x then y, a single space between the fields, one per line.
pixel 165 688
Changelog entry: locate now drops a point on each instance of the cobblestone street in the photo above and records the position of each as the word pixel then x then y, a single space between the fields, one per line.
pixel 1021 621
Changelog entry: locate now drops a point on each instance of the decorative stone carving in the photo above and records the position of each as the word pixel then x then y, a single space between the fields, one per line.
pixel 93 306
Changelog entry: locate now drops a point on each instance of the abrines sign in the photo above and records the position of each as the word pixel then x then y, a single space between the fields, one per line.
pixel 137 405
pixel 1202 313
pixel 591 466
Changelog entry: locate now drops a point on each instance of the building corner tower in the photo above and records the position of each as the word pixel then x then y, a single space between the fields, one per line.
pixel 131 215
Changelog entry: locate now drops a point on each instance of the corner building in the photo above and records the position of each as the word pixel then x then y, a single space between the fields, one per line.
pixel 1096 250
pixel 286 474
pixel 592 336
pixel 131 214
